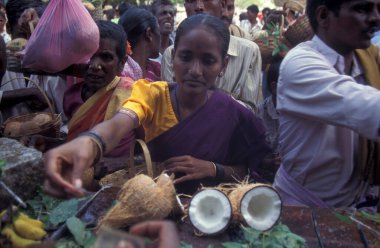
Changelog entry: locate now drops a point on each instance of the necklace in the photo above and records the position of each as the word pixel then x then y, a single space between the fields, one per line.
pixel 177 102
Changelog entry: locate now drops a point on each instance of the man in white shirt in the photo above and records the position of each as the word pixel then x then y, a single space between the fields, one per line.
pixel 328 103
pixel 252 26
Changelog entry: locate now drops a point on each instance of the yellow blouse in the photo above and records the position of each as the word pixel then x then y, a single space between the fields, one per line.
pixel 152 105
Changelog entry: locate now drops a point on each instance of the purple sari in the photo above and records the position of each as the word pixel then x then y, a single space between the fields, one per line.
pixel 222 131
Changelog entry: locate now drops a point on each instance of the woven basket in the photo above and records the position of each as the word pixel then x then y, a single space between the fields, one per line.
pixel 299 31
pixel 118 178
pixel 49 128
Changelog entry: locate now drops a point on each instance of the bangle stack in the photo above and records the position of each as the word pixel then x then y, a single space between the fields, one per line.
pixel 219 171
pixel 98 140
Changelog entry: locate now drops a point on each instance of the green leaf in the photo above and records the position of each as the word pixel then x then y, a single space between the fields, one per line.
pixel 250 234
pixel 343 218
pixel 63 211
pixel 275 51
pixel 210 246
pixel 373 217
pixel 233 245
pixel 77 229
pixel 186 245
pixel 81 235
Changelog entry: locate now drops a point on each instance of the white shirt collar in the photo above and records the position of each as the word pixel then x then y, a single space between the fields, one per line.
pixel 335 59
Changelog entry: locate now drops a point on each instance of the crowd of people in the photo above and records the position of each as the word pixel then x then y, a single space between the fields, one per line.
pixel 208 109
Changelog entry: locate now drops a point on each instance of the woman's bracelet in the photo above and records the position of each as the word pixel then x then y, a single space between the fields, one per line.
pixel 214 165
pixel 219 171
pixel 98 140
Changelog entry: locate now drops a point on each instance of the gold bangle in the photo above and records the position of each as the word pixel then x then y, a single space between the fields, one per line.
pixel 214 168
pixel 99 153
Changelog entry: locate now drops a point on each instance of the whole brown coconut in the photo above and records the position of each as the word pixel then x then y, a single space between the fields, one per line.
pixel 141 199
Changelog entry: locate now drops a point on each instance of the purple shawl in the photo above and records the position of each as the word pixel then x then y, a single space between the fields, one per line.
pixel 222 131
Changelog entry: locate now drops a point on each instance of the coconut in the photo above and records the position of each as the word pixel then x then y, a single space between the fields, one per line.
pixel 28 127
pixel 258 205
pixel 141 199
pixel 165 182
pixel 12 129
pixel 210 211
pixel 42 119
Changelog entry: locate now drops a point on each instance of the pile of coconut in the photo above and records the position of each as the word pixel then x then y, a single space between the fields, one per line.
pixel 16 128
pixel 210 210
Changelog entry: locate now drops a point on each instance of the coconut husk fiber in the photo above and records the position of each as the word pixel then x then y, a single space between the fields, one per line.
pixel 236 196
pixel 141 199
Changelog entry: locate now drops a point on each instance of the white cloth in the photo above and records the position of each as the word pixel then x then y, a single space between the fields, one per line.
pixel 322 112
pixel 54 87
pixel 242 78
pixel 268 113
pixel 6 37
pixel 247 26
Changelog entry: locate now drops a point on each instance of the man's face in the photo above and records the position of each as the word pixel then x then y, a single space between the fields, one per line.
pixel 252 15
pixel 210 7
pixel 165 16
pixel 228 12
pixel 355 24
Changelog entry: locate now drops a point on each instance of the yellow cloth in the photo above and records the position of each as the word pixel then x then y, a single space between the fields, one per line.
pixel 151 102
pixel 370 60
pixel 87 105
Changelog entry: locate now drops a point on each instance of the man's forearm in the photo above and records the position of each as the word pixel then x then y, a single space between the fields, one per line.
pixel 12 97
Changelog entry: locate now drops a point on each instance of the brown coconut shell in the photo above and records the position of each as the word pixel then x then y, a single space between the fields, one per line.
pixel 140 199
pixel 237 195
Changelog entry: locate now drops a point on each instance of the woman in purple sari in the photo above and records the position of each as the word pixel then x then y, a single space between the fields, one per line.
pixel 201 135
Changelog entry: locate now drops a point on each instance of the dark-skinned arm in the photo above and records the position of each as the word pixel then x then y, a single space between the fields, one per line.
pixel 66 164
pixel 12 97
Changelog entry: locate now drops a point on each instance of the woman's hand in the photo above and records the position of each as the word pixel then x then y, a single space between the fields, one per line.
pixel 192 168
pixel 164 231
pixel 65 165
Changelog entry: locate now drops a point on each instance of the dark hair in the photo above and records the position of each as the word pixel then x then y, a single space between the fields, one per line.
pixel 154 7
pixel 253 8
pixel 112 31
pixel 15 8
pixel 123 7
pixel 110 14
pixel 312 5
pixel 273 73
pixel 216 25
pixel 135 21
pixel 243 16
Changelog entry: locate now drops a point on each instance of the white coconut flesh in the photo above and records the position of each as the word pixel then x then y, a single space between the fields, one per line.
pixel 210 211
pixel 261 207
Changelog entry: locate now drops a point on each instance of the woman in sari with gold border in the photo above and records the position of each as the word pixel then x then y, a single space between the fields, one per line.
pixel 200 134
pixel 102 92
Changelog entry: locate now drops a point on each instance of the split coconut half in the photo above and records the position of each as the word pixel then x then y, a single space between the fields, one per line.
pixel 210 211
pixel 258 205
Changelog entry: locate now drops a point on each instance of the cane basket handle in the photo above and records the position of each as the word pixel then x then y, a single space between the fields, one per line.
pixel 148 159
